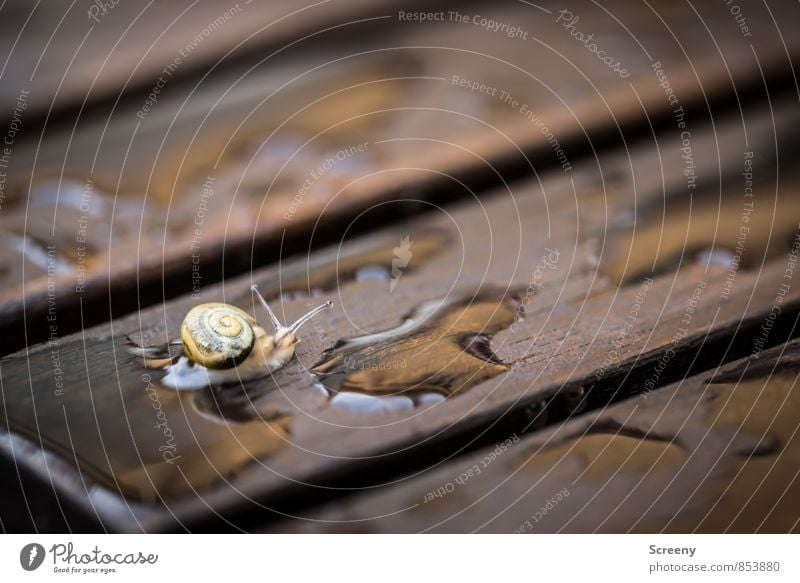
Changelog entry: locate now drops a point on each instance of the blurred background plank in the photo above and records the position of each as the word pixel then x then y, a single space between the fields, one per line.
pixel 83 54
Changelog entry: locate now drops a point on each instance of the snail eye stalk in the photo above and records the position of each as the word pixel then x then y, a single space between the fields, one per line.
pixel 280 329
pixel 272 316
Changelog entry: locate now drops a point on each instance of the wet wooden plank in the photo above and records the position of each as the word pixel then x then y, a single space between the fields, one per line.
pixel 216 457
pixel 246 152
pixel 67 55
pixel 715 453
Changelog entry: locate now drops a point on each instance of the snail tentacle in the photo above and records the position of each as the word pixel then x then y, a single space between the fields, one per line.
pixel 272 316
pixel 281 330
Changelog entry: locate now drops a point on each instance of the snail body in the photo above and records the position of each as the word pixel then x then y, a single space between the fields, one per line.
pixel 223 344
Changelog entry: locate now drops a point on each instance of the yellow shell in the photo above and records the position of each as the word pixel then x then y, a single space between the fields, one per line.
pixel 218 336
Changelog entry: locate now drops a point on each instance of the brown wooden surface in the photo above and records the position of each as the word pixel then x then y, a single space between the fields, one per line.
pixel 543 313
pixel 392 91
pixel 282 444
pixel 714 453
pixel 65 55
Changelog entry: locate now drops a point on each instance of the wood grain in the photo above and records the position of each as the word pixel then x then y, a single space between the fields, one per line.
pixel 152 459
pixel 235 149
pixel 88 53
pixel 715 453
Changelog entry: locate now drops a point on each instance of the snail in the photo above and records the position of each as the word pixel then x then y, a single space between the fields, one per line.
pixel 223 344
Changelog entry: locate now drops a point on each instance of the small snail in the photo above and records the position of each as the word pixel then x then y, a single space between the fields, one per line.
pixel 224 344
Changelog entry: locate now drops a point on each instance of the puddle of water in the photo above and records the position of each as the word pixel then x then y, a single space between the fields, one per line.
pixel 44 256
pixel 362 403
pixel 724 258
pixel 706 229
pixel 754 409
pixel 66 228
pixel 440 350
pixel 707 457
pixel 278 146
pixel 370 265
pixel 234 403
pixel 373 273
pixel 377 404
pixel 737 401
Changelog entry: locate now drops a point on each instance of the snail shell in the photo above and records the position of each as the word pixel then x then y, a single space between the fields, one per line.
pixel 218 336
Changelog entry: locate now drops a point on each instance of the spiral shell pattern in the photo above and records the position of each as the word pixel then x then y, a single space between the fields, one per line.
pixel 217 336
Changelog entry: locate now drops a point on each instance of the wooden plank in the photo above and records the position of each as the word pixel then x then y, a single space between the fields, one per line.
pixel 237 151
pixel 717 452
pixel 66 55
pixel 85 401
